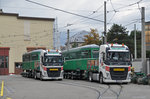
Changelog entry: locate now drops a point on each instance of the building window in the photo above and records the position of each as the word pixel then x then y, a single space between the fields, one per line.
pixel 3 61
pixel 146 27
pixel 27 30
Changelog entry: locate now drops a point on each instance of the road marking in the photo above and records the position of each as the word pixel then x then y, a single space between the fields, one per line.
pixel 2 88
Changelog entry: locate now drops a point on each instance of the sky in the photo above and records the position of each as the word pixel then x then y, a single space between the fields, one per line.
pixel 122 12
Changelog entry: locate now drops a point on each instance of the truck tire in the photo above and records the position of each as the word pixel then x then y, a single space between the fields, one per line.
pixel 72 76
pixel 60 79
pixel 90 77
pixel 148 81
pixel 35 75
pixel 101 78
pixel 41 77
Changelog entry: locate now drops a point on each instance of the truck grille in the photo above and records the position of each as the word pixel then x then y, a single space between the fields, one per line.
pixel 53 72
pixel 118 75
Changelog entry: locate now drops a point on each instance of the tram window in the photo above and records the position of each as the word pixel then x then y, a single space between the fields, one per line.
pixel 26 57
pixel 85 54
pixel 73 55
pixel 34 57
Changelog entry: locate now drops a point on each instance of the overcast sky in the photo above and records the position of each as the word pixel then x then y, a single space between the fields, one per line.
pixel 125 12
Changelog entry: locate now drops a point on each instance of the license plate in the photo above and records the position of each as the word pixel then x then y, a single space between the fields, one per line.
pixel 119 69
pixel 53 69
pixel 119 81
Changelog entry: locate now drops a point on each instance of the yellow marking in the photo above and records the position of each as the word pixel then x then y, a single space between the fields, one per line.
pixel 53 69
pixel 119 69
pixel 8 98
pixel 2 88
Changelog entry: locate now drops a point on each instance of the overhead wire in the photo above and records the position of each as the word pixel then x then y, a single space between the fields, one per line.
pixel 82 21
pixel 127 5
pixel 135 3
pixel 69 12
pixel 63 11
pixel 113 6
pixel 93 12
pixel 115 11
pixel 111 18
pixel 88 18
pixel 118 10
pixel 131 23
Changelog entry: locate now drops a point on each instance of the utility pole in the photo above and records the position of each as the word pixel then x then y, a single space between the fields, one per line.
pixel 105 28
pixel 57 38
pixel 68 40
pixel 54 35
pixel 143 46
pixel 135 50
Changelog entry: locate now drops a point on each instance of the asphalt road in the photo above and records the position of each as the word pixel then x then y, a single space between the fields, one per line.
pixel 18 87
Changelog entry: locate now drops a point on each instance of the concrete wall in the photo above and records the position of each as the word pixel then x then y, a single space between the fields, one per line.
pixel 20 33
pixel 137 64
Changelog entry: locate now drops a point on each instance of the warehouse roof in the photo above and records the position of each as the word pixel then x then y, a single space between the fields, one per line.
pixel 26 17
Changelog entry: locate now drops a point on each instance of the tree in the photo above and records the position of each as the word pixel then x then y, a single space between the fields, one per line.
pixel 92 38
pixel 138 43
pixel 117 34
pixel 74 45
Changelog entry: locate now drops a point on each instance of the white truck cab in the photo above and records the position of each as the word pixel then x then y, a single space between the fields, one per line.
pixel 114 63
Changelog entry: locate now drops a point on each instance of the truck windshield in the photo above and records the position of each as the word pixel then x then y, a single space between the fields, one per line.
pixel 52 61
pixel 118 56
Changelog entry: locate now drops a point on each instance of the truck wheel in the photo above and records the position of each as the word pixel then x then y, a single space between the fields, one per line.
pixel 90 77
pixel 64 76
pixel 60 79
pixel 72 77
pixel 27 75
pixel 101 78
pixel 35 75
pixel 149 81
pixel 41 77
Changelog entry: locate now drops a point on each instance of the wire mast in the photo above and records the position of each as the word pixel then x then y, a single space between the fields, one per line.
pixel 56 36
pixel 144 66
pixel 105 27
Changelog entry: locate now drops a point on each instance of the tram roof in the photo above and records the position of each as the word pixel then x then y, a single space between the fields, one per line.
pixel 86 46
pixel 34 51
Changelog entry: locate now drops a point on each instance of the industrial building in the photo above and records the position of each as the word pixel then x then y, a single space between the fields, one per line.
pixel 147 35
pixel 19 34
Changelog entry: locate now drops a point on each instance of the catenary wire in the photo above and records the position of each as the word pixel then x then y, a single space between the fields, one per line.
pixel 64 11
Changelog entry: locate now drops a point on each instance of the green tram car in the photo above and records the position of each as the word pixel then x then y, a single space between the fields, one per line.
pixel 78 62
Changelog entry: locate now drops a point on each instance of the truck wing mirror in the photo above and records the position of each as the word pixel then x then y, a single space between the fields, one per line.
pixel 42 59
pixel 103 56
